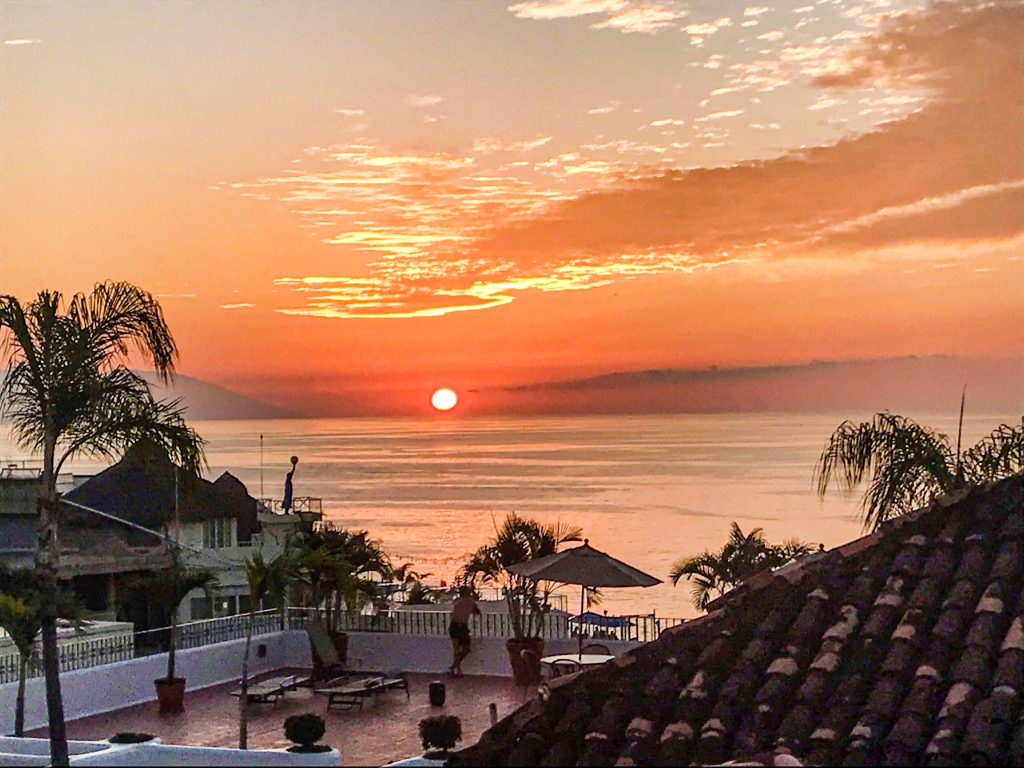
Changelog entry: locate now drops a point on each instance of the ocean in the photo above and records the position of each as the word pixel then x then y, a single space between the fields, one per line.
pixel 646 489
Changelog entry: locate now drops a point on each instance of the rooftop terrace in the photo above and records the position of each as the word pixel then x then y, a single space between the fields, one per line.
pixel 383 731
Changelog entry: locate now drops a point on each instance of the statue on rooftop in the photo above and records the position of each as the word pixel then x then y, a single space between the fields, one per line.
pixel 286 504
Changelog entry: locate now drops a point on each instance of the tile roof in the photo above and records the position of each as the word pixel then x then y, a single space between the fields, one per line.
pixel 903 647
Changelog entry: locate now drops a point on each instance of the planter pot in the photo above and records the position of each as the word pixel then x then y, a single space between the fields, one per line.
pixel 170 693
pixel 340 640
pixel 524 656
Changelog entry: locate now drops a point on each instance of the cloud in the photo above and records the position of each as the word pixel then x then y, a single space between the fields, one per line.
pixel 23 41
pixel 422 101
pixel 755 10
pixel 622 15
pixel 607 108
pixel 491 144
pixel 350 112
pixel 698 32
pixel 240 305
pixel 457 232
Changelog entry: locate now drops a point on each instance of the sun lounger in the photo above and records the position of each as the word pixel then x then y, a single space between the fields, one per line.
pixel 354 693
pixel 326 663
pixel 270 690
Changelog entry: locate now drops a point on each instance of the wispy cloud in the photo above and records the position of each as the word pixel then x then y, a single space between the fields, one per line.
pixel 240 305
pixel 489 144
pixel 23 41
pixel 421 101
pixel 472 230
pixel 350 112
pixel 604 110
pixel 622 15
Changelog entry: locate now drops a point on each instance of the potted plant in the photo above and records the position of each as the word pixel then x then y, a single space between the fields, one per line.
pixel 168 588
pixel 516 541
pixel 439 734
pixel 304 731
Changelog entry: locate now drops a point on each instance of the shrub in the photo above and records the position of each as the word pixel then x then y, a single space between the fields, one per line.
pixel 440 732
pixel 303 731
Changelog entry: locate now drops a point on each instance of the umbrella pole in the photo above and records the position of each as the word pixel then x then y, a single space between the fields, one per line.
pixel 579 632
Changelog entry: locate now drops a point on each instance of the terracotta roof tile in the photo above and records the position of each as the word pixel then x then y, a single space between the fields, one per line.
pixel 904 647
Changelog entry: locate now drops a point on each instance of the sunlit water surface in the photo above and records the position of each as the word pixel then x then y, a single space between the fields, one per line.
pixel 647 489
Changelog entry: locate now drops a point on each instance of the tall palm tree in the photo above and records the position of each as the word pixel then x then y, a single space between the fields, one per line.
pixel 908 464
pixel 266 580
pixel 68 391
pixel 743 555
pixel 517 540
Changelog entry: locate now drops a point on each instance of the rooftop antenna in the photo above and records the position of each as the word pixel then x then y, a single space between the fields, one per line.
pixel 959 434
pixel 261 466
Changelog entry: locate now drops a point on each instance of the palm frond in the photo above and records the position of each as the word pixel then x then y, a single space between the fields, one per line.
pixel 906 463
pixel 997 455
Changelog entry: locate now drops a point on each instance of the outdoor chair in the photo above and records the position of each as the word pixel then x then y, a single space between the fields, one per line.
pixel 270 690
pixel 326 663
pixel 596 648
pixel 565 667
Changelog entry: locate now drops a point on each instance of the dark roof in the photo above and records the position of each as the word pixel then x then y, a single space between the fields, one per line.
pixel 902 647
pixel 140 488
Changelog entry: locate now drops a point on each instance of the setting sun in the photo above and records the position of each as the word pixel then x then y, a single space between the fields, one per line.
pixel 444 399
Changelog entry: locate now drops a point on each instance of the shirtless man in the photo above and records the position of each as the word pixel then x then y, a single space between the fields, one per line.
pixel 464 607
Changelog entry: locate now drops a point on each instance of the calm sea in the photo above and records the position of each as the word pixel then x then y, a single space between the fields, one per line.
pixel 647 489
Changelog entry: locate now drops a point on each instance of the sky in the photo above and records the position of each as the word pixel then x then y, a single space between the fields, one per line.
pixel 344 205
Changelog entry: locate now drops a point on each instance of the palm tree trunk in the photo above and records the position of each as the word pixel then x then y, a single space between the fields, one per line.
pixel 243 700
pixel 47 565
pixel 19 707
pixel 173 644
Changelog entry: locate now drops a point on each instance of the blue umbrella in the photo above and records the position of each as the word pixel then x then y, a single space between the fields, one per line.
pixel 597 620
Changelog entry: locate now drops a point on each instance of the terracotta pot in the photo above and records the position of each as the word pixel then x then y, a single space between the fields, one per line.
pixel 170 693
pixel 340 640
pixel 524 656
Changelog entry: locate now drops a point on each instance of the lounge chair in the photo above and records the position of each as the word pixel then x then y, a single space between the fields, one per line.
pixel 270 690
pixel 326 663
pixel 354 693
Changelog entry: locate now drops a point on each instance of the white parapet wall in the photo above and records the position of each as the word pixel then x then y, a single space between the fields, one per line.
pixel 122 684
pixel 95 690
pixel 27 752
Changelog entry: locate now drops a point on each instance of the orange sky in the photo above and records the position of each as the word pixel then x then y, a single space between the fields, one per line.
pixel 363 200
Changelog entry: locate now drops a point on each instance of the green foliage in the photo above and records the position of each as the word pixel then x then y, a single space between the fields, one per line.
pixel 418 593
pixel 906 465
pixel 336 570
pixel 743 555
pixel 518 540
pixel 268 580
pixel 21 599
pixel 440 732
pixel 305 729
pixel 68 388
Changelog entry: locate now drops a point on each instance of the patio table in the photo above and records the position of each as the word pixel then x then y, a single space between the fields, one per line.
pixel 583 659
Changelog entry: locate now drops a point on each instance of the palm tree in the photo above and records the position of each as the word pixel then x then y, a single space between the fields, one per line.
pixel 908 464
pixel 68 391
pixel 266 580
pixel 338 569
pixel 517 540
pixel 20 602
pixel 743 555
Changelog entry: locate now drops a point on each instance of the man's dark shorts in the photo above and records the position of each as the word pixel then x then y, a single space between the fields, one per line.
pixel 459 631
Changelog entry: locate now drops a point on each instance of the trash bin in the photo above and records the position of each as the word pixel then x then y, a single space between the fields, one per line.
pixel 437 692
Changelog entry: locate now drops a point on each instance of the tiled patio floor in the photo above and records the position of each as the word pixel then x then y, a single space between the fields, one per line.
pixel 385 729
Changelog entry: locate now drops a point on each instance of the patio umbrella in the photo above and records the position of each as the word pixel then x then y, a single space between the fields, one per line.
pixel 598 620
pixel 587 567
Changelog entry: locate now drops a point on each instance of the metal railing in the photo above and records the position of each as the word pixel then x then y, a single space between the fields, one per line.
pixel 91 652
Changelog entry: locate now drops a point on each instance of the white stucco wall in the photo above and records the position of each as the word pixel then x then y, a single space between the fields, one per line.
pixel 113 686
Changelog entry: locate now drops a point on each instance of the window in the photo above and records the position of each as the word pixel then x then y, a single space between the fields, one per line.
pixel 217 533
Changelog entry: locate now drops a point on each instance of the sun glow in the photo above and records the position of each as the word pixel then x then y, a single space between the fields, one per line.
pixel 444 399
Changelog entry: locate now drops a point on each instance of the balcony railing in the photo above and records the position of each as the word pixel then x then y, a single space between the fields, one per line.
pixel 91 652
